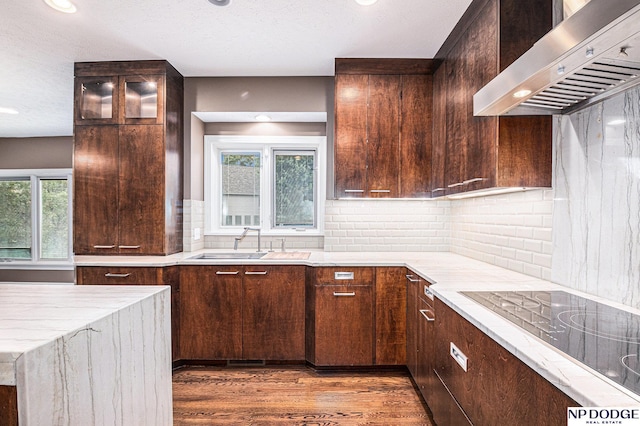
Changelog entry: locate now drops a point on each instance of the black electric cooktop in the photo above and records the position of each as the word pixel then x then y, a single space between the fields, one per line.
pixel 602 337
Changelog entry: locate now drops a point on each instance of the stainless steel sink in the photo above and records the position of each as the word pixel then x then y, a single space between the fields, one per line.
pixel 213 256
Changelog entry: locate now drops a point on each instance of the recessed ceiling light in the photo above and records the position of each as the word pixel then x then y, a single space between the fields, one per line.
pixel 366 2
pixel 4 110
pixel 263 117
pixel 220 2
pixel 61 5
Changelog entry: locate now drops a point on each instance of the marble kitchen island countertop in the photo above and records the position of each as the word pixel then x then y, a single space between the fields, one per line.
pixel 87 354
pixel 450 274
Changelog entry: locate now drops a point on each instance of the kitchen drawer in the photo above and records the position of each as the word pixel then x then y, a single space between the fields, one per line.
pixel 118 275
pixel 344 276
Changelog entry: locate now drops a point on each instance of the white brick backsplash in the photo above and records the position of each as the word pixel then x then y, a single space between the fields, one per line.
pixel 509 230
pixel 387 225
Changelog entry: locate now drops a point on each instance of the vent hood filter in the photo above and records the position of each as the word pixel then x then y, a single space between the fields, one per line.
pixel 592 55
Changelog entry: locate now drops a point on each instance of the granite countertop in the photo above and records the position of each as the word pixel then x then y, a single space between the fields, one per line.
pixel 450 274
pixel 33 315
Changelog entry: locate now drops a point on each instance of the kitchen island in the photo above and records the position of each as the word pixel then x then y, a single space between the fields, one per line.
pixel 85 354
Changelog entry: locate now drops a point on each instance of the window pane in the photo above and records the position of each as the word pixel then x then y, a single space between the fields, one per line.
pixel 15 219
pixel 240 187
pixel 294 189
pixel 55 219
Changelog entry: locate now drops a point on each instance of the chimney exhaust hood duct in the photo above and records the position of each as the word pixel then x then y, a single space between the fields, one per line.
pixel 590 56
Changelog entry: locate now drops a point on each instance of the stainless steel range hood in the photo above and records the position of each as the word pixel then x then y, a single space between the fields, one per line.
pixel 590 56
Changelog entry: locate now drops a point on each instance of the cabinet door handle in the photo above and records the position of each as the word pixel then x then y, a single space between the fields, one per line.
pixel 129 247
pixel 437 190
pixel 354 190
pixel 468 181
pixel 227 272
pixel 411 279
pixel 380 190
pixel 104 247
pixel 428 314
pixel 453 185
pixel 256 273
pixel 114 275
pixel 338 294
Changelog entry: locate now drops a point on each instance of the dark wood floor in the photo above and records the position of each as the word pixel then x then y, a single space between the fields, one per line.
pixel 294 396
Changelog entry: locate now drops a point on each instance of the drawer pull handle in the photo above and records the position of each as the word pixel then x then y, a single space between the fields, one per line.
pixel 411 279
pixel 453 185
pixel 379 191
pixel 129 247
pixel 343 275
pixel 354 190
pixel 438 190
pixel 458 356
pixel 256 273
pixel 103 247
pixel 428 292
pixel 113 275
pixel 227 272
pixel 338 294
pixel 428 314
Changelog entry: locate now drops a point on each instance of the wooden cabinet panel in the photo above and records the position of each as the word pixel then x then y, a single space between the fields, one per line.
pixel 412 284
pixel 493 389
pixel 211 312
pixel 128 158
pixel 119 275
pixel 360 276
pixel 343 331
pixel 95 176
pixel 141 190
pixel 273 313
pixel 391 316
pixel 242 312
pixel 488 152
pixel 383 136
pixel 8 406
pixel 426 348
pixel 350 160
pixel 439 142
pixel 383 128
pixel 415 136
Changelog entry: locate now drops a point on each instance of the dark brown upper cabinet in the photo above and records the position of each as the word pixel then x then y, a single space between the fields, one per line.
pixel 128 176
pixel 383 128
pixel 472 153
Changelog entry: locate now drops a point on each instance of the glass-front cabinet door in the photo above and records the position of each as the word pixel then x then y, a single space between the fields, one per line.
pixel 96 100
pixel 141 98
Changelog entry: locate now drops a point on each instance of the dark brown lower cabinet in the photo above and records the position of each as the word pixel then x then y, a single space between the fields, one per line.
pixel 426 347
pixel 242 312
pixel 413 285
pixel 8 406
pixel 211 307
pixel 273 313
pixel 391 316
pixel 497 387
pixel 343 331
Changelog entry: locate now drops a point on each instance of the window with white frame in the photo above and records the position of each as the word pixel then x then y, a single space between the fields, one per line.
pixel 35 215
pixel 272 183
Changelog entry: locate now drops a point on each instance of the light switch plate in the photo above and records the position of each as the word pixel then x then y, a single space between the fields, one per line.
pixel 196 233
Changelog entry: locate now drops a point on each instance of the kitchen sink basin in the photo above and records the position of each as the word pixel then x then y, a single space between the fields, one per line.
pixel 213 256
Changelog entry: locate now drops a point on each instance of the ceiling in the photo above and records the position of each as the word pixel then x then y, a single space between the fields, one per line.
pixel 39 45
